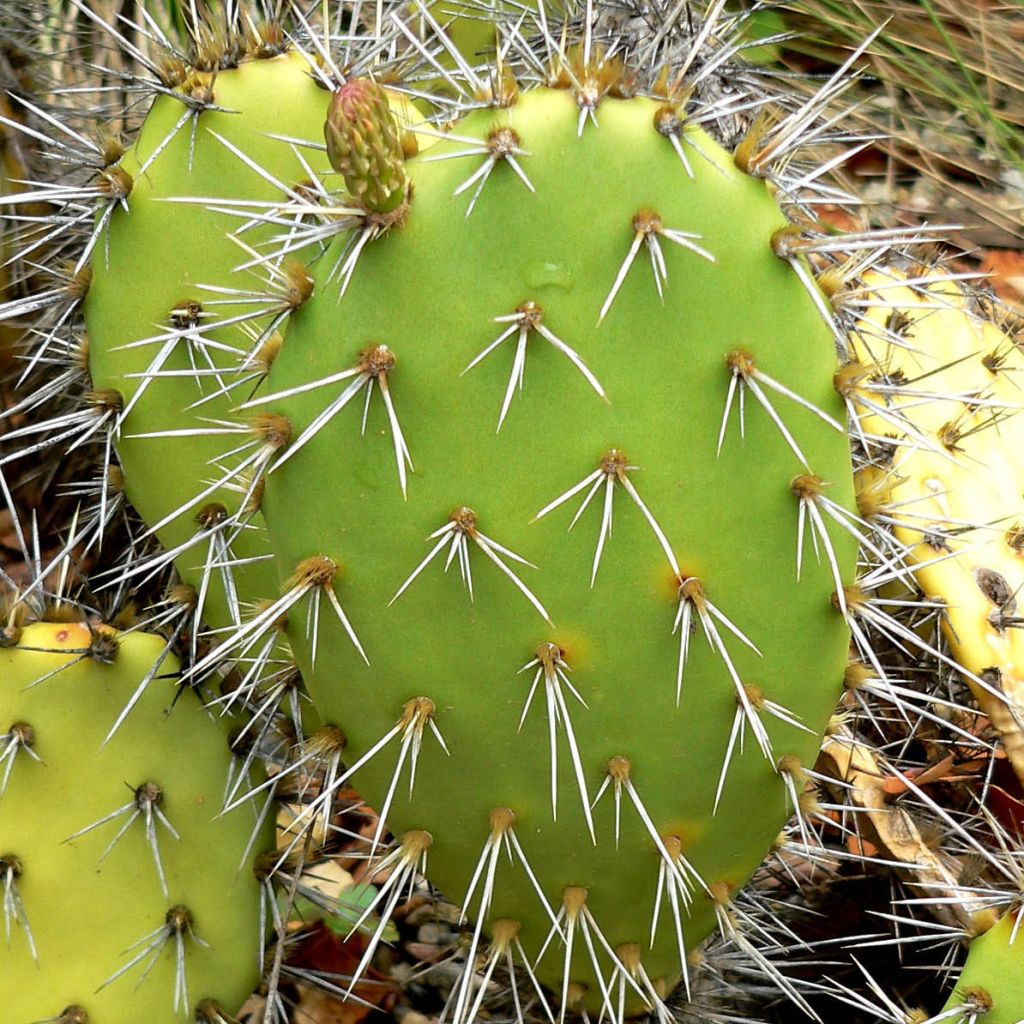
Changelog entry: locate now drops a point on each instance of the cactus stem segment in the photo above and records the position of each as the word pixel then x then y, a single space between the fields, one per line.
pixel 578 917
pixel 632 968
pixel 185 320
pixel 529 316
pixel 102 649
pixel 745 375
pixel 70 1015
pixel 456 534
pixel 750 702
pixel 692 598
pixel 314 576
pixel 19 737
pixel 502 820
pixel 194 106
pixel 263 350
pixel 288 286
pixel 668 123
pixel 673 870
pixel 502 835
pixel 208 323
pixel 618 775
pixel 794 778
pixel 807 489
pixel 551 666
pixel 648 229
pixel 307 201
pixel 268 434
pixel 588 72
pixel 374 226
pixel 976 1004
pixel 214 522
pixel 572 912
pixel 417 715
pixel 504 947
pixel 374 365
pixel 144 682
pixel 612 469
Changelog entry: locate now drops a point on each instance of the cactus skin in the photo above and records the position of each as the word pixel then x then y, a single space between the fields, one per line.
pixel 86 914
pixel 969 474
pixel 989 988
pixel 731 520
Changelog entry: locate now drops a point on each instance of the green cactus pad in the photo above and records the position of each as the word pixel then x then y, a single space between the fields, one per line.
pixel 80 909
pixel 632 406
pixel 149 279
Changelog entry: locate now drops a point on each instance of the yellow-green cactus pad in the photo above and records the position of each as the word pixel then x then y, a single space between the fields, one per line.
pixel 122 894
pixel 937 389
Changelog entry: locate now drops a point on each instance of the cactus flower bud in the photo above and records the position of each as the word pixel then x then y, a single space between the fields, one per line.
pixel 364 145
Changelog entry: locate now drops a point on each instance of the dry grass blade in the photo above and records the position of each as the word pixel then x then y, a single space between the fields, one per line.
pixel 948 91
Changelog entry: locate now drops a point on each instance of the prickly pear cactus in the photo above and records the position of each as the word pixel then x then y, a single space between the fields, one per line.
pixel 123 898
pixel 440 374
pixel 935 385
pixel 572 310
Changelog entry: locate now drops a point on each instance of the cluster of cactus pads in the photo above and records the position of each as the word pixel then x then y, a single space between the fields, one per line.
pixel 375 324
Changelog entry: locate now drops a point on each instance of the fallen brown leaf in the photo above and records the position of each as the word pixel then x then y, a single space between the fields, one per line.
pixel 1005 268
pixel 328 953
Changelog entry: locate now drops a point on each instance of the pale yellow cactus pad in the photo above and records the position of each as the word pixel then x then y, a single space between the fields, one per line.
pixel 938 390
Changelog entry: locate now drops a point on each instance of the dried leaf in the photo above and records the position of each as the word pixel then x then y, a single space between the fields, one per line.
pixel 324 952
pixel 1006 270
pixel 892 828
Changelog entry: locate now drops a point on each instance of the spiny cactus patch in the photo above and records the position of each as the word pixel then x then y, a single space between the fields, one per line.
pixel 988 990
